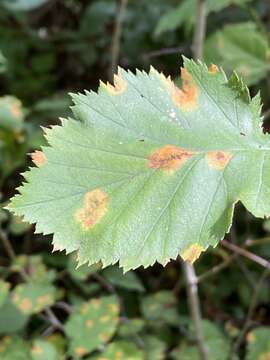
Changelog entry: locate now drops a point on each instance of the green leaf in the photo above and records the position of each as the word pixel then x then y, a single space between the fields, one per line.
pixel 4 290
pixel 11 318
pixel 83 272
pixel 129 281
pixel 185 12
pixel 120 350
pixel 3 63
pixel 258 344
pixel 43 350
pixel 11 113
pixel 241 47
pixel 217 345
pixel 131 327
pixel 154 348
pixel 160 306
pixel 150 171
pixel 14 348
pixel 23 5
pixel 92 324
pixel 32 298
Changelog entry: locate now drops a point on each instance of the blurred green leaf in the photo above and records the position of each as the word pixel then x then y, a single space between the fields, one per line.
pixel 4 291
pixel 240 47
pixel 43 350
pixel 23 5
pixel 11 318
pixel 129 280
pixel 258 344
pixel 120 350
pixel 11 113
pixel 14 348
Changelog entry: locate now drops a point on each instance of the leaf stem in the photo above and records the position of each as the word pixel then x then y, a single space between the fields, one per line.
pixel 194 305
pixel 190 274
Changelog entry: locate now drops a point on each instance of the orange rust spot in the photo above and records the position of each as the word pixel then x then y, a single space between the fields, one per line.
pixel 25 305
pixel 37 349
pixel 95 207
pixel 89 324
pixel 213 69
pixel 187 98
pixel 192 253
pixel 104 319
pixel 218 159
pixel 80 351
pixel 104 337
pixel 16 109
pixel 169 158
pixel 251 337
pixel 119 86
pixel 38 158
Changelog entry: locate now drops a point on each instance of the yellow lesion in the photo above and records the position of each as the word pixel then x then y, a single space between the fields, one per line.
pixel 118 87
pixel 218 159
pixel 80 351
pixel 104 337
pixel 25 305
pixel 265 356
pixel 192 253
pixel 104 319
pixel 38 158
pixel 89 324
pixel 37 349
pixel 169 158
pixel 251 337
pixel 213 69
pixel 94 208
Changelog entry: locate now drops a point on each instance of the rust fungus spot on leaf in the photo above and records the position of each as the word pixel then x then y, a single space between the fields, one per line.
pixel 119 86
pixel 38 158
pixel 265 356
pixel 95 207
pixel 104 337
pixel 251 337
pixel 192 253
pixel 218 159
pixel 37 349
pixel 80 351
pixel 89 324
pixel 25 305
pixel 187 97
pixel 104 319
pixel 16 109
pixel 213 69
pixel 169 158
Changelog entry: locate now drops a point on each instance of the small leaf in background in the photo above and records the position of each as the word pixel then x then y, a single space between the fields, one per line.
pixel 11 113
pixel 154 348
pixel 23 5
pixel 82 272
pixel 11 318
pixel 4 291
pixel 240 47
pixel 14 348
pixel 129 280
pixel 43 350
pixel 33 297
pixel 131 327
pixel 120 350
pixel 184 14
pixel 258 347
pixel 160 306
pixel 17 226
pixel 218 346
pixel 92 324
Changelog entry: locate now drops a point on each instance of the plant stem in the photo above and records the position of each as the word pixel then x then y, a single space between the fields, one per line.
pixel 241 251
pixel 191 278
pixel 117 37
pixel 194 305
pixel 200 29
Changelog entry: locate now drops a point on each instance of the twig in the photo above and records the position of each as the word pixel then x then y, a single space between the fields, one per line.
pixel 241 251
pixel 7 245
pixel 252 306
pixel 117 37
pixel 163 52
pixel 216 269
pixel 200 29
pixel 53 320
pixel 191 278
pixel 194 306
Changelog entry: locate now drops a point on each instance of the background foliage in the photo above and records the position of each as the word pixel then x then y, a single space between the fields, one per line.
pixel 50 310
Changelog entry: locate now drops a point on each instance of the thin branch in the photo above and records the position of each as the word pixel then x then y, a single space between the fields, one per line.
pixel 259 260
pixel 7 245
pixel 194 306
pixel 200 29
pixel 163 52
pixel 251 309
pixel 117 37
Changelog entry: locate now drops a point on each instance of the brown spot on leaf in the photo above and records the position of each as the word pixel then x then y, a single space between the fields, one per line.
pixel 94 209
pixel 80 351
pixel 104 337
pixel 192 253
pixel 218 159
pixel 169 158
pixel 119 86
pixel 16 109
pixel 213 69
pixel 251 337
pixel 89 324
pixel 187 98
pixel 38 158
pixel 25 305
pixel 36 349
